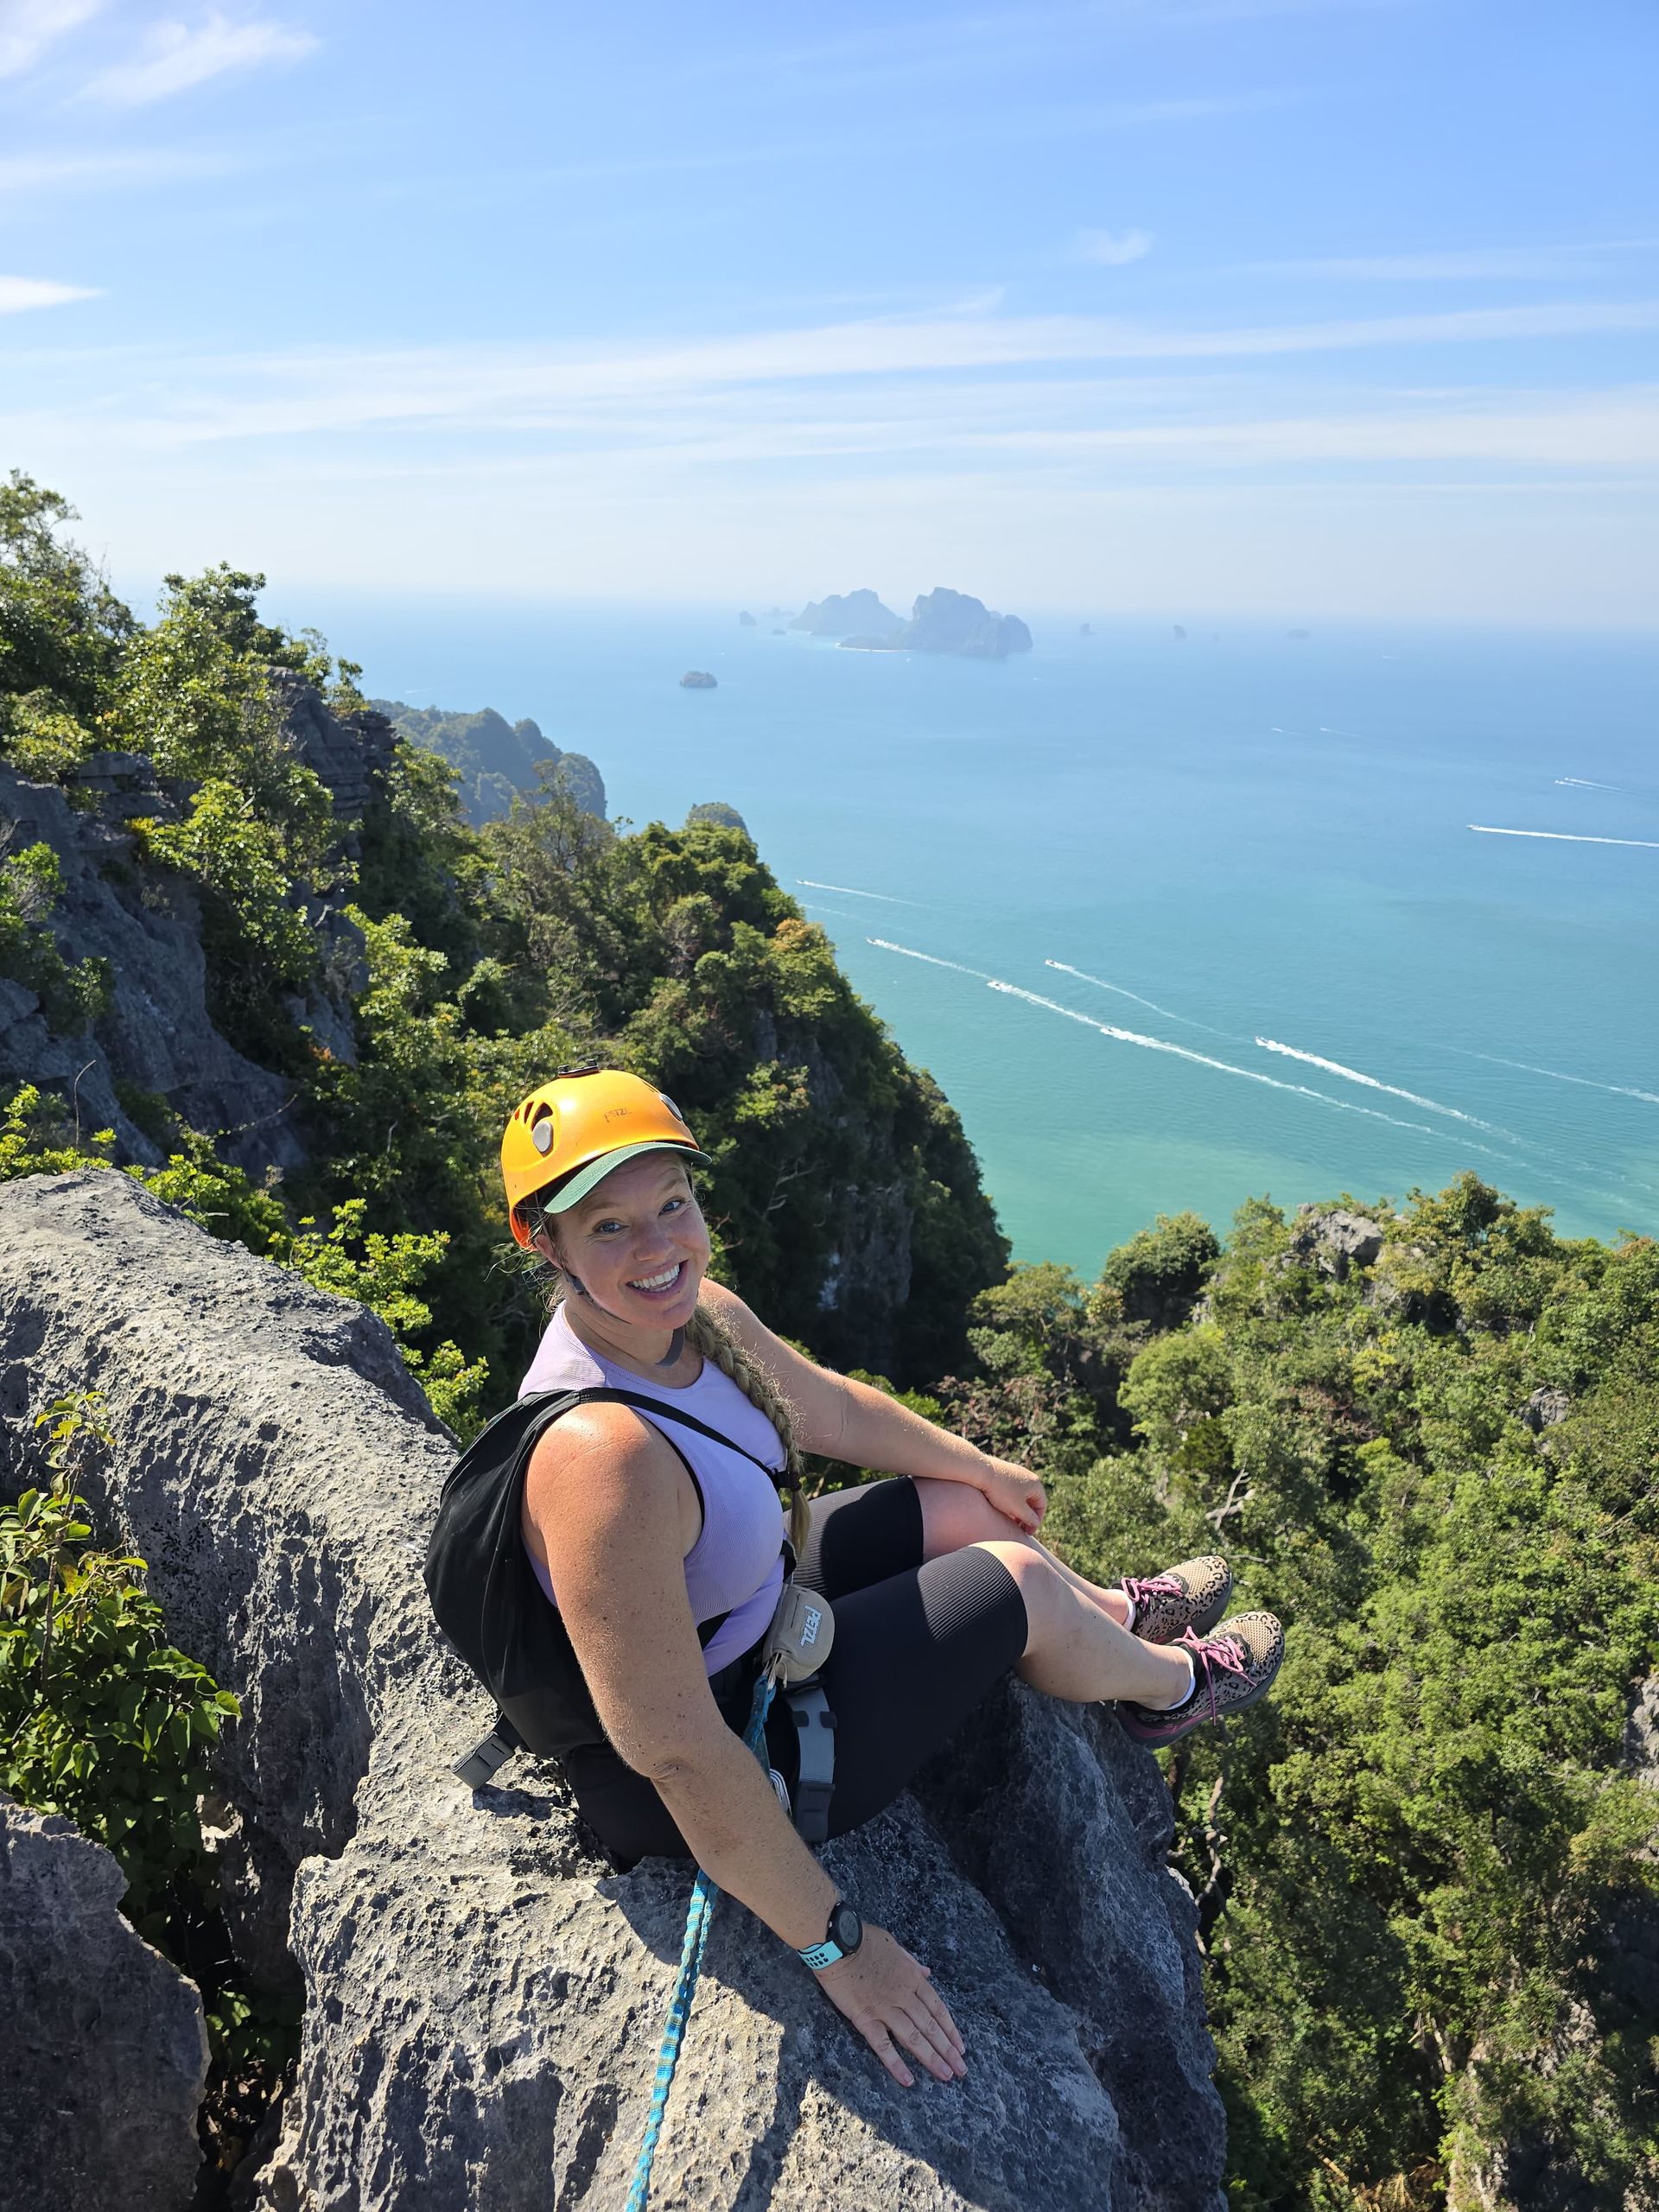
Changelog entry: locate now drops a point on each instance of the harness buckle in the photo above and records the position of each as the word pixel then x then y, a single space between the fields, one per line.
pixel 481 1765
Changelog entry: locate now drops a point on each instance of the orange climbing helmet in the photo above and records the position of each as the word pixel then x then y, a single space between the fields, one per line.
pixel 573 1129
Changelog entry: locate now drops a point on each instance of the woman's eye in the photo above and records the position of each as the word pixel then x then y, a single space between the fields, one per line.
pixel 674 1205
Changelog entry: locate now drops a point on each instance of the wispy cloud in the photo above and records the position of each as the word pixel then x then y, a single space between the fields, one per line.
pixel 19 293
pixel 993 41
pixel 143 165
pixel 175 58
pixel 29 26
pixel 1497 263
pixel 983 386
pixel 1112 249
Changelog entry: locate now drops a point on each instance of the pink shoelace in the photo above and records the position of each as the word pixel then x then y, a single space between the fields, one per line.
pixel 1152 1586
pixel 1217 1654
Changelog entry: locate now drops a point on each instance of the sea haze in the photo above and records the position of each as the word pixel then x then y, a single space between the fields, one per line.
pixel 1173 922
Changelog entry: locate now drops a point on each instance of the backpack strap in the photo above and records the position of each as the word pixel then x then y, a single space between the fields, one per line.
pixel 536 1415
pixel 564 1400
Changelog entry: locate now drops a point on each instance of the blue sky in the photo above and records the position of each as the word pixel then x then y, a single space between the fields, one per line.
pixel 1267 307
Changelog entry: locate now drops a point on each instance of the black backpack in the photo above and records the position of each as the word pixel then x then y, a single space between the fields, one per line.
pixel 486 1595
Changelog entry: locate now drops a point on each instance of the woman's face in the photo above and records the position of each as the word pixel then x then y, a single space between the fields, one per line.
pixel 637 1243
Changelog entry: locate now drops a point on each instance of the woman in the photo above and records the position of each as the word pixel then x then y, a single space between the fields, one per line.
pixel 641 1533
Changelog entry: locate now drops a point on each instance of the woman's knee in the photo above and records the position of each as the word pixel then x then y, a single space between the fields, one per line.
pixel 1041 1589
pixel 954 1516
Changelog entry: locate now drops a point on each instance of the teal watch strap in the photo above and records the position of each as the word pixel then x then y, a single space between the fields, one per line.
pixel 819 1955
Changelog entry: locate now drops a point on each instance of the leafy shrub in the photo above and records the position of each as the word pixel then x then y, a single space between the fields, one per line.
pixel 62 631
pixel 101 1717
pixel 31 882
pixel 35 1141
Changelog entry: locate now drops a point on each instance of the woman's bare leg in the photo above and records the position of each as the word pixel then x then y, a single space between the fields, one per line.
pixel 1075 1650
pixel 955 1515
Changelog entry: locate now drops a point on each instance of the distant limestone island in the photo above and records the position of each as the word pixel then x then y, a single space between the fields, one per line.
pixel 698 679
pixel 496 759
pixel 940 622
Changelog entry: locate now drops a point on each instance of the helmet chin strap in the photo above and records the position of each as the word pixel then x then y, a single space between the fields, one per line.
pixel 675 1343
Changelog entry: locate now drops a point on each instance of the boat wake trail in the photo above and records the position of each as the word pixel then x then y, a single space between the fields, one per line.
pixel 1566 837
pixel 1253 1074
pixel 851 891
pixel 1584 784
pixel 1226 1067
pixel 932 958
pixel 1064 968
pixel 1375 1083
pixel 1555 1075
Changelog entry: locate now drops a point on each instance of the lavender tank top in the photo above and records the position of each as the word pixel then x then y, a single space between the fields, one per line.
pixel 735 1566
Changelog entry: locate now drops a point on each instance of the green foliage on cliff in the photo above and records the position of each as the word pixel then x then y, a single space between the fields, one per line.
pixel 1427 1884
pixel 488 957
pixel 101 1717
pixel 496 761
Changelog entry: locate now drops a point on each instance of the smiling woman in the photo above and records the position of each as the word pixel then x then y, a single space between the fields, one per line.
pixel 634 1535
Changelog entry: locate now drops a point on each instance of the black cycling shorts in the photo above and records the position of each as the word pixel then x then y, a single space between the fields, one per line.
pixel 917 1648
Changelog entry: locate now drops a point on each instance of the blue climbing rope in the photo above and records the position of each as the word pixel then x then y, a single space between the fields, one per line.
pixel 704 1893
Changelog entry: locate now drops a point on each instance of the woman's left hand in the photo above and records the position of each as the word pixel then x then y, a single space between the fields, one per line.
pixel 1017 1495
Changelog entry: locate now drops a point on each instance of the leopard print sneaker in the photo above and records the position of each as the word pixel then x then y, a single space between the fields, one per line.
pixel 1191 1596
pixel 1230 1671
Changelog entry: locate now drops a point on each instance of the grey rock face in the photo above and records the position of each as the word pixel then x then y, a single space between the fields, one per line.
pixel 1641 1749
pixel 350 753
pixel 496 761
pixel 102 2047
pixel 1334 1240
pixel 158 1033
pixel 1543 1409
pixel 483 1996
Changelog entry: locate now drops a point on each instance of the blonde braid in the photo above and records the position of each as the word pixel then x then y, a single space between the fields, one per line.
pixel 707 1334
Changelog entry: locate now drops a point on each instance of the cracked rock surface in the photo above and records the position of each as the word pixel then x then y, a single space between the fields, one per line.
pixel 483 1997
pixel 102 2047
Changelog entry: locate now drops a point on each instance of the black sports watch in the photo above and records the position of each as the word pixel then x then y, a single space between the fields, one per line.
pixel 841 1939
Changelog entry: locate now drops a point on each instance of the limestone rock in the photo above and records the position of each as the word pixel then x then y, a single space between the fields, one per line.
pixel 718 814
pixel 497 761
pixel 483 1996
pixel 1640 1748
pixel 350 753
pixel 1543 1409
pixel 698 679
pixel 952 622
pixel 103 2046
pixel 157 1035
pixel 848 614
pixel 1333 1240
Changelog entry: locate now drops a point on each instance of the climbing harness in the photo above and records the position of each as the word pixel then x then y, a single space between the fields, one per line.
pixel 797 1644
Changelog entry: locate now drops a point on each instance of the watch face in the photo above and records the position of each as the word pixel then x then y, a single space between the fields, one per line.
pixel 846 1929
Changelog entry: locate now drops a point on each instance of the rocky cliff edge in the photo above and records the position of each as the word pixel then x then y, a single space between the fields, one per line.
pixel 483 1997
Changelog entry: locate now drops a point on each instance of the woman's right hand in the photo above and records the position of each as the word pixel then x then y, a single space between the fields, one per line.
pixel 890 1998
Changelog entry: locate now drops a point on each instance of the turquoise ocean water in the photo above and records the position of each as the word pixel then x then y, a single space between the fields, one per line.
pixel 1248 854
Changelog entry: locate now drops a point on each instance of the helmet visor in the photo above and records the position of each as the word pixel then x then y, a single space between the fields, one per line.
pixel 584 1179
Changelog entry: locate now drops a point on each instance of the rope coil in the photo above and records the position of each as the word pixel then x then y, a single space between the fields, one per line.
pixel 698 1920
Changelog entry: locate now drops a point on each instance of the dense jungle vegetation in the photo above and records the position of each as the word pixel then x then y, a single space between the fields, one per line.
pixel 1427 1873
